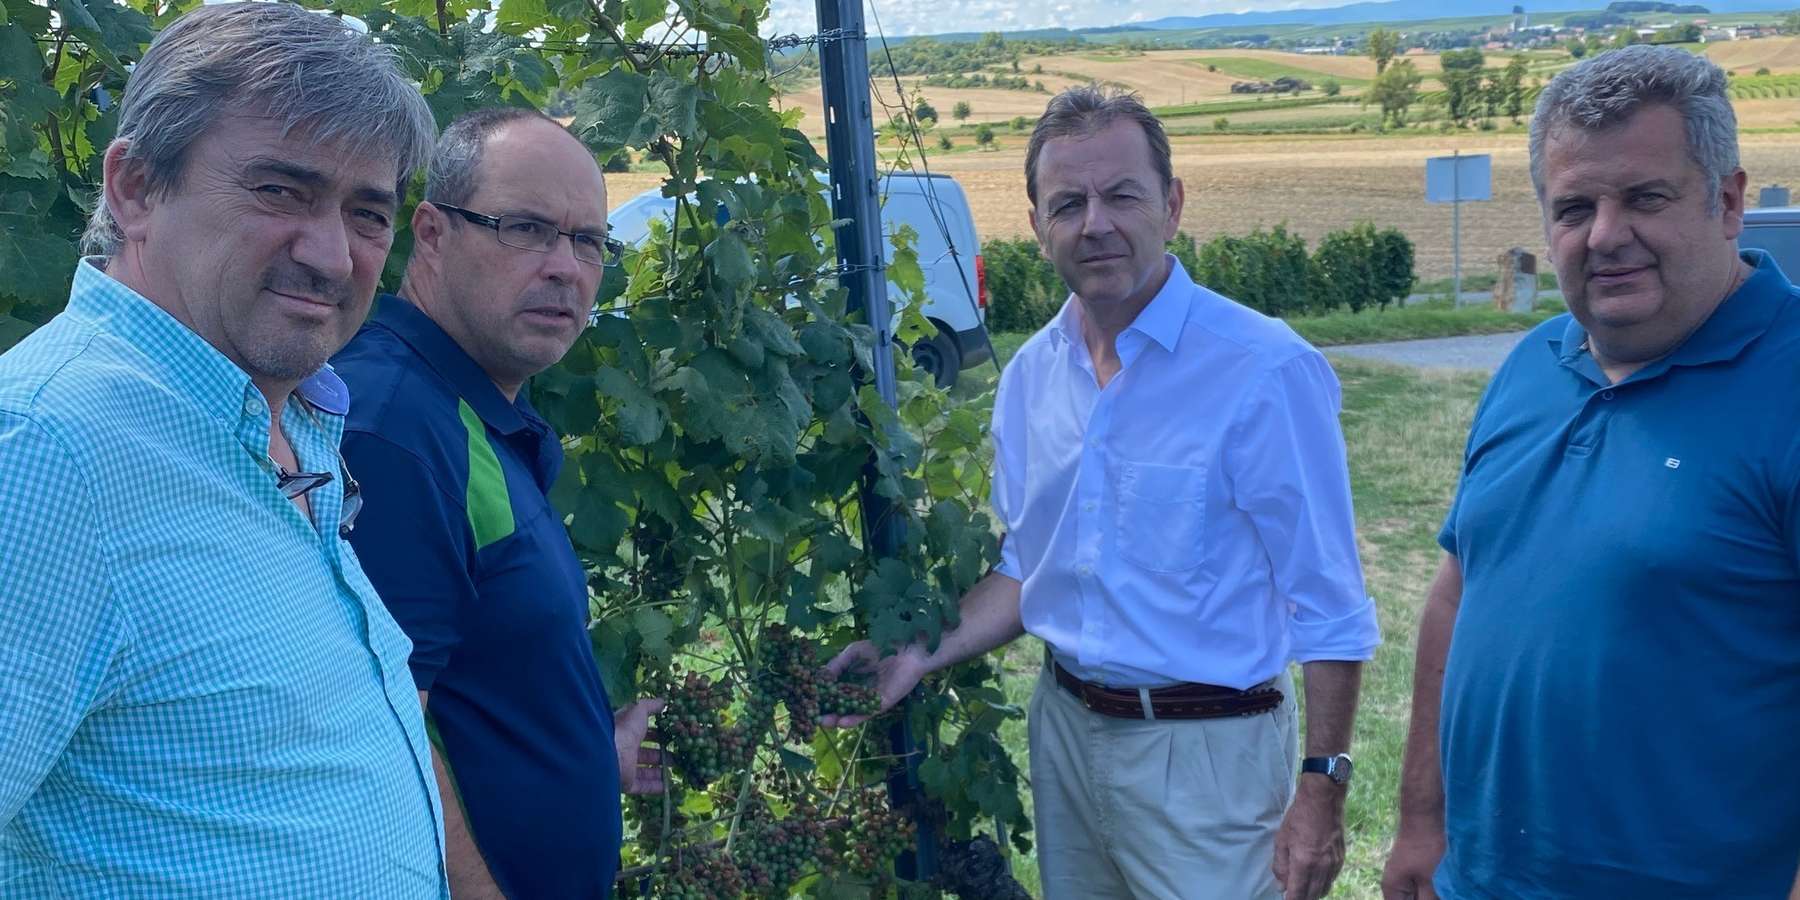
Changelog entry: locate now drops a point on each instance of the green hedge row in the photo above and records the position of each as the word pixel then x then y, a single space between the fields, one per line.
pixel 1269 271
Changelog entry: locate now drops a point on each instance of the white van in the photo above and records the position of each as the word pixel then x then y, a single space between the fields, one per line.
pixel 949 254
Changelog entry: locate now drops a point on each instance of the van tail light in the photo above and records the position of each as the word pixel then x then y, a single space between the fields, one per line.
pixel 980 282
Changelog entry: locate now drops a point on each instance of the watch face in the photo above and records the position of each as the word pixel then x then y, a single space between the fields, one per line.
pixel 1340 768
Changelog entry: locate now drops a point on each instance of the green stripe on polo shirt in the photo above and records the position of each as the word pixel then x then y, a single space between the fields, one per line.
pixel 489 505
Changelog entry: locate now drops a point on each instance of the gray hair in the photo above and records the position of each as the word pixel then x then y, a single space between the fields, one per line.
pixel 456 161
pixel 1086 109
pixel 1605 91
pixel 310 70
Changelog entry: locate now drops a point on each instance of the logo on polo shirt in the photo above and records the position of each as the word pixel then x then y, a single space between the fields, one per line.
pixel 1672 463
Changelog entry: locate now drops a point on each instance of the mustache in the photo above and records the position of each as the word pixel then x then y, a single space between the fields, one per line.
pixel 299 279
pixel 561 296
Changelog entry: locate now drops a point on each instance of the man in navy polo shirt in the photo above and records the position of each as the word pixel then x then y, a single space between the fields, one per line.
pixel 1608 682
pixel 458 534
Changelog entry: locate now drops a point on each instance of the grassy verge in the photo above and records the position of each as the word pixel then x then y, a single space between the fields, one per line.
pixel 1433 319
pixel 1405 430
pixel 1424 320
pixel 1480 281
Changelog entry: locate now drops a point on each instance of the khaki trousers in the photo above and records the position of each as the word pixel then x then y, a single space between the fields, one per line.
pixel 1170 809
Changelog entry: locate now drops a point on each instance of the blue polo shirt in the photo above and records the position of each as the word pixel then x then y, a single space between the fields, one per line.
pixel 459 537
pixel 1622 697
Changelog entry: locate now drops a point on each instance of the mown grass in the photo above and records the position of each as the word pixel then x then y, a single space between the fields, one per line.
pixel 1431 319
pixel 1435 319
pixel 1405 430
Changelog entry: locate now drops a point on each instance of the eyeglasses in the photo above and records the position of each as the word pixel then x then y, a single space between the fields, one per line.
pixel 539 236
pixel 294 485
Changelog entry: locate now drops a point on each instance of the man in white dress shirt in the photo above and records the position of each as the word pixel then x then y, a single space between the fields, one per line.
pixel 1172 480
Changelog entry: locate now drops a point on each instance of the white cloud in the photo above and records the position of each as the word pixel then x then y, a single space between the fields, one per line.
pixel 910 17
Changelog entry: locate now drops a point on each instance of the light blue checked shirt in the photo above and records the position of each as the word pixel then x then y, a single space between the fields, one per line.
pixel 200 693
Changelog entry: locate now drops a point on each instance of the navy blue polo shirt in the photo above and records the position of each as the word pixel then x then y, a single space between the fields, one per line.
pixel 458 536
pixel 1622 699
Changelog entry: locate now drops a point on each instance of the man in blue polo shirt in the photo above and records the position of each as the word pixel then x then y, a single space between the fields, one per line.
pixel 1608 679
pixel 458 533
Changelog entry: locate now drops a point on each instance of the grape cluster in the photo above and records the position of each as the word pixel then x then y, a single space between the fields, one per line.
pixel 791 672
pixel 877 833
pixel 775 853
pixel 704 876
pixel 844 698
pixel 693 726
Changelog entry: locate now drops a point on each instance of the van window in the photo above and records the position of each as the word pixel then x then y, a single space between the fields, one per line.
pixel 906 208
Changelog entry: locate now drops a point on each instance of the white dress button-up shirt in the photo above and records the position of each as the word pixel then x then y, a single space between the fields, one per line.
pixel 1190 521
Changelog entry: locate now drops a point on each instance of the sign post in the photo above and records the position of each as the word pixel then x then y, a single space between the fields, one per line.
pixel 1453 179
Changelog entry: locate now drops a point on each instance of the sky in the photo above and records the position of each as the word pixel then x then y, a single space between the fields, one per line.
pixel 905 17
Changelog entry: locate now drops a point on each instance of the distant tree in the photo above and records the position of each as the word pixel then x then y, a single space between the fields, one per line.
pixel 1624 37
pixel 1395 90
pixel 1382 45
pixel 1577 48
pixel 1791 24
pixel 944 142
pixel 923 111
pixel 1463 93
pixel 1221 123
pixel 984 136
pixel 961 110
pixel 1210 67
pixel 1685 33
pixel 1514 86
pixel 1020 123
pixel 1493 96
pixel 1763 70
pixel 1331 87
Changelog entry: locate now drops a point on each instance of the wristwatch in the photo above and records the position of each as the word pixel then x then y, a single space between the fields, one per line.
pixel 1337 768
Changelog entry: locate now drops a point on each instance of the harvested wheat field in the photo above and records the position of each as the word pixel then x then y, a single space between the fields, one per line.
pixel 1780 55
pixel 1317 184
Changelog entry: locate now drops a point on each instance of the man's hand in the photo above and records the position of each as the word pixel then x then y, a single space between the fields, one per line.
pixel 894 675
pixel 640 767
pixel 1412 862
pixel 1309 849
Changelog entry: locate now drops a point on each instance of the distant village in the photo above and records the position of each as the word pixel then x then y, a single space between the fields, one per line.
pixel 1633 22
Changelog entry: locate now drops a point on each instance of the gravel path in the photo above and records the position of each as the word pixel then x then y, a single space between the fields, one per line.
pixel 1483 352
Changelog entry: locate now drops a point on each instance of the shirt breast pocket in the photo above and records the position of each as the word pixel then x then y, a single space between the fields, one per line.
pixel 1162 516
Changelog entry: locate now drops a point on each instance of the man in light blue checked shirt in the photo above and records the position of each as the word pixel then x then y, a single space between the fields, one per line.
pixel 202 695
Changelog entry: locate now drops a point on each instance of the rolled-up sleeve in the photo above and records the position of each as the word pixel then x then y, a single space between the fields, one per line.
pixel 61 633
pixel 415 544
pixel 1290 475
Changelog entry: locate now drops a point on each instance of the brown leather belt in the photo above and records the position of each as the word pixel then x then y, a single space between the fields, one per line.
pixel 1176 701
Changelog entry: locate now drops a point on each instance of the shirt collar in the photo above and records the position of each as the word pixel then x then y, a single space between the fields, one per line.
pixel 1739 320
pixel 452 362
pixel 193 366
pixel 1161 320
